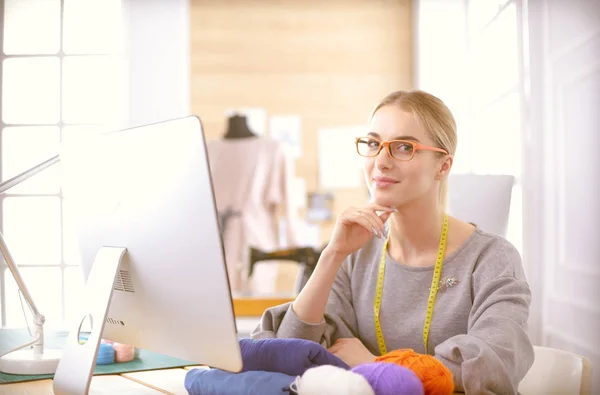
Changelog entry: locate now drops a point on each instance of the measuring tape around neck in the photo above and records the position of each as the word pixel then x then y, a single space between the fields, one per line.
pixel 435 281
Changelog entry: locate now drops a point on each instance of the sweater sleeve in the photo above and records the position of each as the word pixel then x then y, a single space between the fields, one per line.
pixel 339 320
pixel 495 353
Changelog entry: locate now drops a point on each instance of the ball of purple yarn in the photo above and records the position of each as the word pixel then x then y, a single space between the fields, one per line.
pixel 389 378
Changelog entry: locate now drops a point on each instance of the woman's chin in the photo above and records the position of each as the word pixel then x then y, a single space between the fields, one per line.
pixel 386 201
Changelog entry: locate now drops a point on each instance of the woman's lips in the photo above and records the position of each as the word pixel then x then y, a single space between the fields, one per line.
pixel 383 182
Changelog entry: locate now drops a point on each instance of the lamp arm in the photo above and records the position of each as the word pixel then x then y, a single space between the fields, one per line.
pixel 16 180
pixel 38 318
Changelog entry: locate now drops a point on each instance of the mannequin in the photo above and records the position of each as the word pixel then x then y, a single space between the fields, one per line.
pixel 252 177
pixel 237 127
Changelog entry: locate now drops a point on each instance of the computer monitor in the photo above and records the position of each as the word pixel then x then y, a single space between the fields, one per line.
pixel 150 246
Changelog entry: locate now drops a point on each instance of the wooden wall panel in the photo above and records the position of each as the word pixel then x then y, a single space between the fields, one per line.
pixel 328 61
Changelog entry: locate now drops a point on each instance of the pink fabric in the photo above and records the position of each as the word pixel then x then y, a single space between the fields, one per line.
pixel 254 177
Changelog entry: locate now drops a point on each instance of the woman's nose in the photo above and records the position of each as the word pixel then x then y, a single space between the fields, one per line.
pixel 383 159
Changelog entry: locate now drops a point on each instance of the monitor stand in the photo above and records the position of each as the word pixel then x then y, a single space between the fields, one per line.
pixel 76 367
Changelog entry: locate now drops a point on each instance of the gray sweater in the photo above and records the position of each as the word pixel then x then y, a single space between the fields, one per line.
pixel 479 326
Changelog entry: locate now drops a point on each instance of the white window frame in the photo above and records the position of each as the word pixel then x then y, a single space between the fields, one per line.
pixel 443 55
pixel 61 56
pixel 517 89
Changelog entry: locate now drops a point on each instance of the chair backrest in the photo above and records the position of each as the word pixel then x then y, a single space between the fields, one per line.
pixel 481 199
pixel 557 372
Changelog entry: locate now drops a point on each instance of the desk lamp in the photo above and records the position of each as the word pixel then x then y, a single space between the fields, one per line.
pixel 23 359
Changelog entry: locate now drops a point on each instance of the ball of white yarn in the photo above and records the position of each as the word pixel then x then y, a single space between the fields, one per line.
pixel 332 380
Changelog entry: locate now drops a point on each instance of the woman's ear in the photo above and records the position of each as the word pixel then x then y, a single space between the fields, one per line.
pixel 444 167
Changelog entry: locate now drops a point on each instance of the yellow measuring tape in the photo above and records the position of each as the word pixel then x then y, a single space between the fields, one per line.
pixel 435 281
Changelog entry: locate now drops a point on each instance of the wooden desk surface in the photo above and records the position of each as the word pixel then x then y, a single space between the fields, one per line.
pixel 255 307
pixel 152 382
pixel 101 385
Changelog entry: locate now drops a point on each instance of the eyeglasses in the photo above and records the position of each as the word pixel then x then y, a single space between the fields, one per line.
pixel 398 149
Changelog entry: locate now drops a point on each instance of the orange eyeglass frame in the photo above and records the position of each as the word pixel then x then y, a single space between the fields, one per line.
pixel 416 147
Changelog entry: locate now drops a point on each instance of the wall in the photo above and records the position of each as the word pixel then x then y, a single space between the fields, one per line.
pixel 561 200
pixel 329 62
pixel 158 59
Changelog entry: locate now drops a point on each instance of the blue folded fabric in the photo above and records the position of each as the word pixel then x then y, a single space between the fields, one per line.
pixel 220 382
pixel 289 356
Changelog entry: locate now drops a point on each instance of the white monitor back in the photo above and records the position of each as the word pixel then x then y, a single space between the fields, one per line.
pixel 481 199
pixel 148 189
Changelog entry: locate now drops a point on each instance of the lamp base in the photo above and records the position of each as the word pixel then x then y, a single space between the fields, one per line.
pixel 24 362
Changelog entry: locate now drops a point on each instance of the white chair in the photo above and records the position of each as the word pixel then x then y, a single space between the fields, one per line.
pixel 482 199
pixel 557 372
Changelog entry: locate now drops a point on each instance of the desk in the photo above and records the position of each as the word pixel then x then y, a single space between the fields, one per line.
pixel 152 382
pixel 255 307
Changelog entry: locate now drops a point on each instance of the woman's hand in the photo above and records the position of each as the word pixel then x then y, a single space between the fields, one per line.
pixel 356 226
pixel 351 351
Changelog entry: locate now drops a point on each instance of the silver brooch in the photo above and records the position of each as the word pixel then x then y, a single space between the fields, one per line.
pixel 447 282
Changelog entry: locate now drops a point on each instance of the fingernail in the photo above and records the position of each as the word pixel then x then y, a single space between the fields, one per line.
pixel 394 209
pixel 375 232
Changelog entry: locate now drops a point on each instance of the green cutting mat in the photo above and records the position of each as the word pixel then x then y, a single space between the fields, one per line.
pixel 147 360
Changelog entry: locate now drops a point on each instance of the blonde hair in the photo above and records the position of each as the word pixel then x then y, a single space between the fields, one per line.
pixel 435 117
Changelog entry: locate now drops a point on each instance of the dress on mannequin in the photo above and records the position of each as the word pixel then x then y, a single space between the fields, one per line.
pixel 252 177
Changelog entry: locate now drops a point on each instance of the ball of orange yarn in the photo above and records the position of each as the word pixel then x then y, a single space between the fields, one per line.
pixel 436 378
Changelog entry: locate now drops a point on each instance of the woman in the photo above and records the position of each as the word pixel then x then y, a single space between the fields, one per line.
pixel 368 296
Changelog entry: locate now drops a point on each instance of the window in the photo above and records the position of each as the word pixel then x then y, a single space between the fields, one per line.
pixel 495 100
pixel 482 13
pixel 469 55
pixel 61 73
